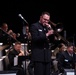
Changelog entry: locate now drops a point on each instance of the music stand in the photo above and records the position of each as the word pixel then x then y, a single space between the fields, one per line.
pixel 8 72
pixel 69 72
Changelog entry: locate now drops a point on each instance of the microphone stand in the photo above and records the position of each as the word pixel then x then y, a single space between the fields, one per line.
pixel 24 31
pixel 25 21
pixel 24 44
pixel 25 37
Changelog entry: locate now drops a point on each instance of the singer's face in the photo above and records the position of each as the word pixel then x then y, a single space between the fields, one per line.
pixel 44 19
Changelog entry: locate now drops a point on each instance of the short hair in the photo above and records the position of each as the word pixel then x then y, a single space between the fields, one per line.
pixel 3 24
pixel 43 13
pixel 18 42
pixel 70 44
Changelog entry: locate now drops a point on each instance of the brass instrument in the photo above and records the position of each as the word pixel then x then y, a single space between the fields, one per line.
pixel 59 28
pixel 10 33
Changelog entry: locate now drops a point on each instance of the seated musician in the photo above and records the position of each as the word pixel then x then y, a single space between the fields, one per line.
pixel 6 35
pixel 62 47
pixel 16 51
pixel 66 60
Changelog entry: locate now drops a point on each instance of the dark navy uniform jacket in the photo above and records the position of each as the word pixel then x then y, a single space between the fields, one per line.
pixel 40 44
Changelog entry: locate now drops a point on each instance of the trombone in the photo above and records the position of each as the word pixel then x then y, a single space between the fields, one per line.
pixel 59 28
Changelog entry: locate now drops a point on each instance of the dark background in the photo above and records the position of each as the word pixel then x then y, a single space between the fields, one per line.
pixel 61 11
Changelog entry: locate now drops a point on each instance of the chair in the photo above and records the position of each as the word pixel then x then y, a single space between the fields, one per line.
pixel 5 62
pixel 1 64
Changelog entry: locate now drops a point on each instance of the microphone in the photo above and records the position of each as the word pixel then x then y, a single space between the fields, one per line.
pixel 22 18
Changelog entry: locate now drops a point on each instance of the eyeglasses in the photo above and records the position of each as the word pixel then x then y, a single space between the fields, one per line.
pixel 46 19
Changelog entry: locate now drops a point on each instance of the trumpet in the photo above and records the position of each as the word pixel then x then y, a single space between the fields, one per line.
pixel 10 33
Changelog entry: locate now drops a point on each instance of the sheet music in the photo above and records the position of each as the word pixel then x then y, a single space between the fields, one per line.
pixel 15 60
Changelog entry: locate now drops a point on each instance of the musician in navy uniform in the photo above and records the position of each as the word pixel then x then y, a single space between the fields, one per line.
pixel 40 53
pixel 67 59
pixel 16 51
pixel 7 35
